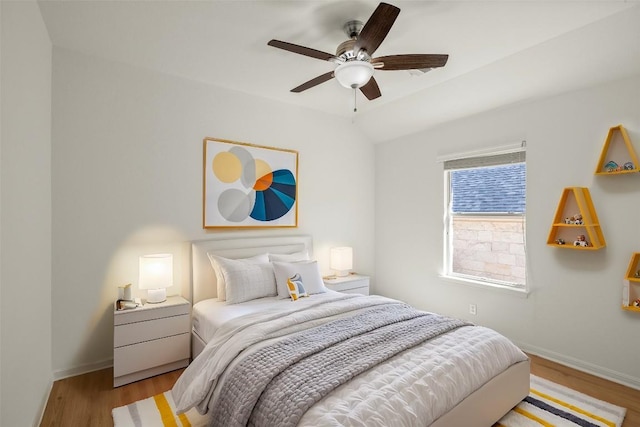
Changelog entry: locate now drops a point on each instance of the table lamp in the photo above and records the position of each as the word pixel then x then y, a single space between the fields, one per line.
pixel 156 274
pixel 342 260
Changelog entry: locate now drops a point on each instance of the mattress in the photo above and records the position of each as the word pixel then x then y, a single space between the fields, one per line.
pixel 210 314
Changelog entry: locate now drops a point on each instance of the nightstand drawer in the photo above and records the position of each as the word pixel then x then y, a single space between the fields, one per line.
pixel 348 286
pixel 150 312
pixel 137 357
pixel 362 290
pixel 351 284
pixel 133 333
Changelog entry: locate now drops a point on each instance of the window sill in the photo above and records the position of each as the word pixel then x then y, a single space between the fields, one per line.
pixel 492 287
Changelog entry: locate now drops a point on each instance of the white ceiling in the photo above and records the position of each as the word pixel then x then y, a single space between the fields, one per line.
pixel 501 52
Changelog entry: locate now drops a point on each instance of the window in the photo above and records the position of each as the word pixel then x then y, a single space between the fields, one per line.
pixel 485 219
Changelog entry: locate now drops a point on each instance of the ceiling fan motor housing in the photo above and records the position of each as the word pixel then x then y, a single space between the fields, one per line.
pixel 345 49
pixel 346 53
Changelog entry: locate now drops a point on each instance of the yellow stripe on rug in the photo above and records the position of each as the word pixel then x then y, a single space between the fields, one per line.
pixel 156 411
pixel 532 417
pixel 573 408
pixel 166 414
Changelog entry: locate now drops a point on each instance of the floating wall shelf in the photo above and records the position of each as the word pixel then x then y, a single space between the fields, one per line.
pixel 618 156
pixel 631 287
pixel 576 225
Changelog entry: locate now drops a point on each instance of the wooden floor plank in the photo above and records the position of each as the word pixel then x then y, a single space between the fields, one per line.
pixel 87 400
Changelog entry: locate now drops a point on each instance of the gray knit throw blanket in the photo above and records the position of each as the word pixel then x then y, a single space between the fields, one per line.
pixel 275 385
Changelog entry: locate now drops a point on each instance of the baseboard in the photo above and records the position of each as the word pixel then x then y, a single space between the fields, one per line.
pixel 581 365
pixel 43 404
pixel 82 369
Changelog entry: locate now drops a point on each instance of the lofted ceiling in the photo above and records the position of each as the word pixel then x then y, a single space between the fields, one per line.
pixel 500 52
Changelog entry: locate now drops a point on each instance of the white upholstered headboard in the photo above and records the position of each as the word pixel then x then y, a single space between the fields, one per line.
pixel 203 278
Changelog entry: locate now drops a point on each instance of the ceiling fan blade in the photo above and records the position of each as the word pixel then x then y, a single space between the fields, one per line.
pixel 306 51
pixel 313 82
pixel 410 62
pixel 371 90
pixel 376 28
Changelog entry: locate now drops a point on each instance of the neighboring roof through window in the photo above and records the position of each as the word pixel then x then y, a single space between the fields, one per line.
pixel 495 189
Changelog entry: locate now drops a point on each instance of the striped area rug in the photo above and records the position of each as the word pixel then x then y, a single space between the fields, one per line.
pixel 550 404
pixel 156 411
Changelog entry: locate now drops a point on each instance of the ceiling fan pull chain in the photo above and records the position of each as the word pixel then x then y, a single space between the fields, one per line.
pixel 355 107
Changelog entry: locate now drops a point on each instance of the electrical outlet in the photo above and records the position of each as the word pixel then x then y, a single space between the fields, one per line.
pixel 472 309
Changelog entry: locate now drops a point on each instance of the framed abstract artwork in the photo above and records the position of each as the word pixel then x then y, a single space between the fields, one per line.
pixel 248 185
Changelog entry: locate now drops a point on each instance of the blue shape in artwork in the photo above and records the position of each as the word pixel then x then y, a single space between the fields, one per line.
pixel 277 200
pixel 258 211
pixel 284 176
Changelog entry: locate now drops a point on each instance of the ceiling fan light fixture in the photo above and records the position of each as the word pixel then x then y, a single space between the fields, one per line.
pixel 354 74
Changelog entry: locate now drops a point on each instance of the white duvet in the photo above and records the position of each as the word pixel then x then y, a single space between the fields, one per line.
pixel 413 388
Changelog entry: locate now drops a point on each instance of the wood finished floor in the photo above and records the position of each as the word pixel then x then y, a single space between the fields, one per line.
pixel 87 400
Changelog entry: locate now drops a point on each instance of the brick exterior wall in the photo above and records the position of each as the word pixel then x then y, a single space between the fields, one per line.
pixel 490 247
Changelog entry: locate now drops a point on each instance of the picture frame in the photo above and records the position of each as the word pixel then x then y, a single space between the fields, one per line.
pixel 248 186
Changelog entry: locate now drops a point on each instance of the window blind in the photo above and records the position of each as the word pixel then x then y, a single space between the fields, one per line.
pixel 482 161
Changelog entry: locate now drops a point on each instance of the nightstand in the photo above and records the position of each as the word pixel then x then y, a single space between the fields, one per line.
pixel 351 284
pixel 151 339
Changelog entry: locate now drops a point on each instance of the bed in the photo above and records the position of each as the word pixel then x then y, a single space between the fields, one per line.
pixel 455 375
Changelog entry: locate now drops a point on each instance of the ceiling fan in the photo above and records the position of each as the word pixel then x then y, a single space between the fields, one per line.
pixel 354 56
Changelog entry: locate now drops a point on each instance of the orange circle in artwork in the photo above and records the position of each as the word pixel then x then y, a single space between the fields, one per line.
pixel 264 174
pixel 264 182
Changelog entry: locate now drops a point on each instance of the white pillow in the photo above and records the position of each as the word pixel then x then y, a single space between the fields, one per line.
pixel 294 257
pixel 245 281
pixel 220 278
pixel 308 271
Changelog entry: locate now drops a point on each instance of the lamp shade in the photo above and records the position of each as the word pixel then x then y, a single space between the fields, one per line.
pixel 156 274
pixel 342 260
pixel 354 74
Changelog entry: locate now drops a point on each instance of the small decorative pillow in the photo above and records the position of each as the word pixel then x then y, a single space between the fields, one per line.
pixel 296 288
pixel 308 271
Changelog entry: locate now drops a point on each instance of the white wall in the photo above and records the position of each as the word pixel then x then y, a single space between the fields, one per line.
pixel 1 139
pixel 573 312
pixel 127 180
pixel 25 243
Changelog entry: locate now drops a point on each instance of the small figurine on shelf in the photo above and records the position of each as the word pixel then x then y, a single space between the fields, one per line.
pixel 611 166
pixel 560 242
pixel 636 303
pixel 581 240
pixel 628 166
pixel 637 274
pixel 577 219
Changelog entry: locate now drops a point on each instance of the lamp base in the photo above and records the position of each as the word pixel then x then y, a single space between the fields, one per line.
pixel 342 273
pixel 155 296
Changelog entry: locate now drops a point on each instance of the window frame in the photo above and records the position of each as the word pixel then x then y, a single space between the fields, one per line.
pixel 515 153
